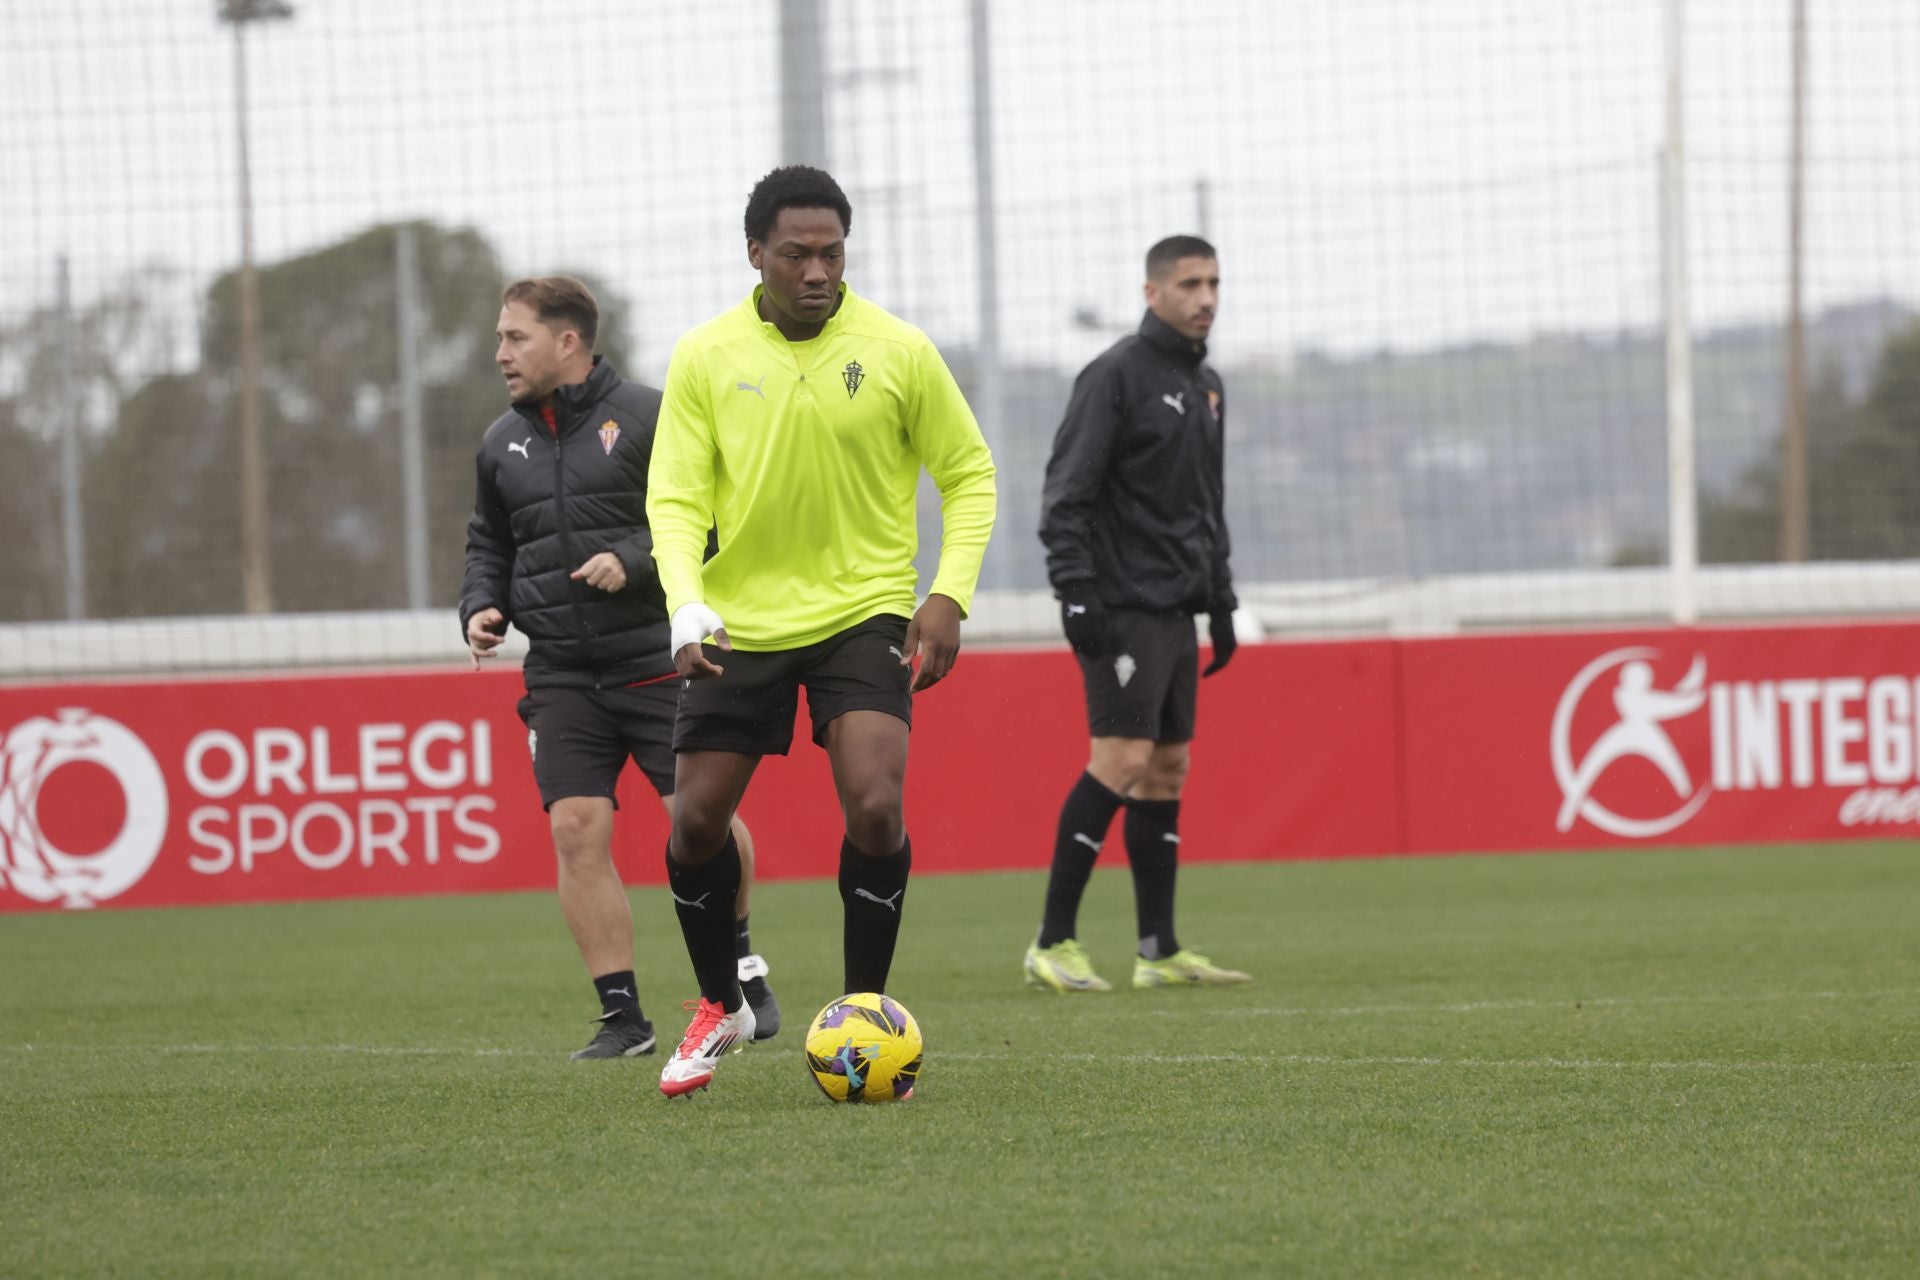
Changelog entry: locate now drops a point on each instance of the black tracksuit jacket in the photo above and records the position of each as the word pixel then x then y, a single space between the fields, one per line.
pixel 1134 500
pixel 546 501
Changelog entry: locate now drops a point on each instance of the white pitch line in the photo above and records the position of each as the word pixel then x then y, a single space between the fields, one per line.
pixel 1276 1059
pixel 1388 1060
pixel 1503 1006
pixel 1153 1059
pixel 1156 1060
pixel 357 1050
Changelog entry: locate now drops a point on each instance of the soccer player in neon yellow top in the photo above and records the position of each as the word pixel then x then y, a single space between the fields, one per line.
pixel 796 425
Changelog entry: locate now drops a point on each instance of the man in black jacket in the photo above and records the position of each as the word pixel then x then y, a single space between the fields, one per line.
pixel 1136 536
pixel 559 546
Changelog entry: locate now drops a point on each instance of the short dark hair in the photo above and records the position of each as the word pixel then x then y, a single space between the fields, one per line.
pixel 794 186
pixel 561 302
pixel 1162 256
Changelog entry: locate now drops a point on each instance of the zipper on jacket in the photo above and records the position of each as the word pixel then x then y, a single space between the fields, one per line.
pixel 567 549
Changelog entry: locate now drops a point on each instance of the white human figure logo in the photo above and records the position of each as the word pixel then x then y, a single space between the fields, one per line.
pixel 1643 712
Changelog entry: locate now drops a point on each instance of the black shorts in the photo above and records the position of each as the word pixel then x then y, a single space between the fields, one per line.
pixel 1149 687
pixel 750 709
pixel 580 739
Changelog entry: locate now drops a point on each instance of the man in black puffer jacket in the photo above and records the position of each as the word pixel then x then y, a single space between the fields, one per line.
pixel 558 546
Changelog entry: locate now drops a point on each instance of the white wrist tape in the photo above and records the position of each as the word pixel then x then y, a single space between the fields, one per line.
pixel 693 623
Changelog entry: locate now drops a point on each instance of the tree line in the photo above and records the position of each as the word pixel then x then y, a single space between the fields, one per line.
pixel 160 452
pixel 1475 458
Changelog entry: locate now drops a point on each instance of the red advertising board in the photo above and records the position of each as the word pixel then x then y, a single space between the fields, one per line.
pixel 287 787
pixel 1690 736
pixel 338 785
pixel 265 789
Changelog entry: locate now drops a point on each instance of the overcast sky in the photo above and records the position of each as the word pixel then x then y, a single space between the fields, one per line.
pixel 1383 173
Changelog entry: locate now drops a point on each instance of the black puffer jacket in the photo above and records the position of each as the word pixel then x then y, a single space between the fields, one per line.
pixel 1135 500
pixel 547 500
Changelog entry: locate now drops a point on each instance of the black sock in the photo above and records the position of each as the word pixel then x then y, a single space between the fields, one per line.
pixel 618 994
pixel 1153 851
pixel 742 941
pixel 872 892
pixel 703 896
pixel 1084 820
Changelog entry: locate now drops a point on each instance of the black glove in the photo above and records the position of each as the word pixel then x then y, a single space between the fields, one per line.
pixel 1085 620
pixel 1220 631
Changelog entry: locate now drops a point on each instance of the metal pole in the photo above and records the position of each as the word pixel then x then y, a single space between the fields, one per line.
pixel 256 566
pixel 73 535
pixel 803 91
pixel 1203 207
pixel 1682 530
pixel 896 121
pixel 990 405
pixel 413 467
pixel 1794 516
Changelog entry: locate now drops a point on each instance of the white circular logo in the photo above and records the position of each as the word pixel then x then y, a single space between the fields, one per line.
pixel 30 863
pixel 1643 712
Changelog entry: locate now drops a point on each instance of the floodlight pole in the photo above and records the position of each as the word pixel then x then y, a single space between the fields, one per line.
pixel 256 572
pixel 990 391
pixel 72 531
pixel 413 466
pixel 1683 548
pixel 1794 519
pixel 803 90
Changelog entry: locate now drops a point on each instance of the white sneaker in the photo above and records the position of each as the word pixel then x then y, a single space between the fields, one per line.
pixel 714 1031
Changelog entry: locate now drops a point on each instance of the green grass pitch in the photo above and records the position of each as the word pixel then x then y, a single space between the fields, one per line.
pixel 1670 1063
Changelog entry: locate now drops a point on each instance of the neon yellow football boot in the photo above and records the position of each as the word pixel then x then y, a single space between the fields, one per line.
pixel 1064 967
pixel 1185 969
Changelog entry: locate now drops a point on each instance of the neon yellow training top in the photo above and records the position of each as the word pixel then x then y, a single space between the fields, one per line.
pixel 806 456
